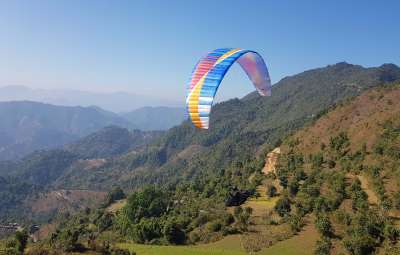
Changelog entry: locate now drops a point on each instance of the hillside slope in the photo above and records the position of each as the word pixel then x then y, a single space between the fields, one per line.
pixel 111 141
pixel 350 157
pixel 238 128
pixel 28 182
pixel 323 176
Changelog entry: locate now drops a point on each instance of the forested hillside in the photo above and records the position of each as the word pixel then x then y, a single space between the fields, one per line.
pixel 111 141
pixel 336 182
pixel 194 169
pixel 23 180
pixel 238 128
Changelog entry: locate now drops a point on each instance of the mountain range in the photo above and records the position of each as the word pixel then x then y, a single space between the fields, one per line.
pixel 113 101
pixel 27 126
pixel 240 131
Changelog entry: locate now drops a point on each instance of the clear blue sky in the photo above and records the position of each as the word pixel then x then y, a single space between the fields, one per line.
pixel 151 46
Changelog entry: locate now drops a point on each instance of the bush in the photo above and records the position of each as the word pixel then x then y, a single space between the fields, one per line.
pixel 242 217
pixel 396 200
pixel 146 230
pixel 194 237
pixel 323 247
pixel 293 187
pixel 67 240
pixel 271 191
pixel 173 233
pixel 323 225
pixel 296 223
pixel 104 222
pixel 214 226
pixel 228 219
pixel 282 206
pixel 118 251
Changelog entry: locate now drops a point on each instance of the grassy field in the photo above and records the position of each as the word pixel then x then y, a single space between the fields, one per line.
pixel 227 247
pixel 2 247
pixel 262 203
pixel 301 244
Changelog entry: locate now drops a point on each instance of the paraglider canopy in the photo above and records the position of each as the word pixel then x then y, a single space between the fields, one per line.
pixel 208 74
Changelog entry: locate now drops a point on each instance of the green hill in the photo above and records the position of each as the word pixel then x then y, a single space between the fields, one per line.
pixel 23 180
pixel 198 173
pixel 238 129
pixel 338 182
pixel 111 141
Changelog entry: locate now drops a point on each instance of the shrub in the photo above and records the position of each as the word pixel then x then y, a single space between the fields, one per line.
pixel 282 206
pixel 323 247
pixel 323 225
pixel 173 233
pixel 296 223
pixel 271 191
pixel 214 226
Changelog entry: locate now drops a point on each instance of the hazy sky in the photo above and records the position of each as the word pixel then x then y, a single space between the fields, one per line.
pixel 151 46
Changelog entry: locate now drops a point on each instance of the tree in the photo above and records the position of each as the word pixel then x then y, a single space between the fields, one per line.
pixel 365 232
pixel 147 203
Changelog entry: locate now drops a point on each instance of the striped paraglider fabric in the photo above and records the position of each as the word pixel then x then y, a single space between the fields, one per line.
pixel 208 74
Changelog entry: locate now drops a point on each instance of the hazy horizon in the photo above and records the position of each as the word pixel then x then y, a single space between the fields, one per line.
pixel 138 47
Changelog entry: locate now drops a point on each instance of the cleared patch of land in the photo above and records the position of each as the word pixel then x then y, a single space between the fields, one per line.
pixel 113 208
pixel 66 200
pixel 301 244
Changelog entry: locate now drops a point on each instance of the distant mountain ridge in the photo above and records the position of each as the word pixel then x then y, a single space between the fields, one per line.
pixel 27 126
pixel 156 118
pixel 113 101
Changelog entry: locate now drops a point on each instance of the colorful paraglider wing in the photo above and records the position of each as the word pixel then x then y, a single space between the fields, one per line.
pixel 208 74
